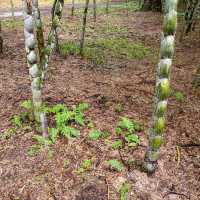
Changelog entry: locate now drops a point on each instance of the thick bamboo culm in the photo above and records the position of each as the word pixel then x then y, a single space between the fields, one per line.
pixel 162 92
pixel 35 70
pixel 39 33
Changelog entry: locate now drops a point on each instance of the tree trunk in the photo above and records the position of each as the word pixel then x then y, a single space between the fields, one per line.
pixel 12 10
pixel 56 17
pixel 94 10
pixel 152 5
pixel 35 70
pixel 162 92
pixel 1 40
pixel 84 27
pixel 52 37
pixel 72 11
pixel 107 6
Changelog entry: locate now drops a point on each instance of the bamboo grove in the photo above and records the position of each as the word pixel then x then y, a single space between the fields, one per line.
pixel 39 52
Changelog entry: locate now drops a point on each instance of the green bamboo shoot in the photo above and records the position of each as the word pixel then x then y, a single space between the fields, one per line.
pixel 162 92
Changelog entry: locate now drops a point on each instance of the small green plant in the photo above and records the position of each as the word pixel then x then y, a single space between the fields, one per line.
pixel 132 139
pixel 64 120
pixel 42 140
pixel 95 134
pixel 94 54
pixel 124 190
pixel 34 150
pixel 8 134
pixel 16 121
pixel 179 96
pixel 117 144
pixel 53 134
pixel 64 117
pixel 85 166
pixel 105 134
pixel 115 165
pixel 12 24
pixel 128 125
pixel 27 104
pixel 127 129
pixel 69 48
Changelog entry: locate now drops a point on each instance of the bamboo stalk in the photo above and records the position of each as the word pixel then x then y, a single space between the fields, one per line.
pixel 155 134
pixel 35 70
pixel 39 33
pixel 52 41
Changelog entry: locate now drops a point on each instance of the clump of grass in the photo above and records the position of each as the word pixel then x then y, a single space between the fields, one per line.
pixel 12 24
pixel 123 48
pixel 179 96
pixel 69 48
pixel 85 166
pixel 115 165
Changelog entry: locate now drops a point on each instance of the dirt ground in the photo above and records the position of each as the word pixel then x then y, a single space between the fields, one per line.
pixel 72 80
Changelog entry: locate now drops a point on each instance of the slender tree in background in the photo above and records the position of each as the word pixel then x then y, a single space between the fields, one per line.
pixel 191 15
pixel 196 81
pixel 12 10
pixel 82 39
pixel 35 70
pixel 56 17
pixel 39 33
pixel 1 40
pixel 73 7
pixel 95 10
pixel 155 133
pixel 107 6
pixel 52 37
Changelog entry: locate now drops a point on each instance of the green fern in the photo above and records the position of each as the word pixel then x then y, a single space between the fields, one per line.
pixel 117 144
pixel 42 140
pixel 53 134
pixel 85 165
pixel 115 165
pixel 70 132
pixel 95 134
pixel 132 139
pixel 27 104
pixel 16 121
pixel 59 108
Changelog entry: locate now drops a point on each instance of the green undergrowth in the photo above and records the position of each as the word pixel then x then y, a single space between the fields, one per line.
pixel 102 51
pixel 124 190
pixel 18 23
pixel 68 122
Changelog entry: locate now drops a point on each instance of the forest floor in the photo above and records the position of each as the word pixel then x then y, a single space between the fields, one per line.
pixel 119 83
